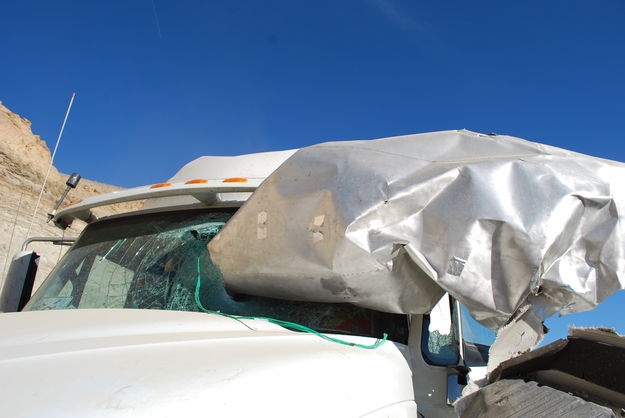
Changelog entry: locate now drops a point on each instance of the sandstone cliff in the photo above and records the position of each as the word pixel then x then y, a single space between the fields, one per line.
pixel 24 161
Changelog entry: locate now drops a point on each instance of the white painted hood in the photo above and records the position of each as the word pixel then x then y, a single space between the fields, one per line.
pixel 101 363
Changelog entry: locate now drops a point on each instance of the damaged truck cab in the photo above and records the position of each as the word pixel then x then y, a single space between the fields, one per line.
pixel 136 319
pixel 344 279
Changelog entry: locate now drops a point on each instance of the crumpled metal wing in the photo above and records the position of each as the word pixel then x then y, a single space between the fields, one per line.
pixel 391 224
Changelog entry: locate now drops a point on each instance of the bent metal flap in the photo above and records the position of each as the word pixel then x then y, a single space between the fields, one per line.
pixel 392 223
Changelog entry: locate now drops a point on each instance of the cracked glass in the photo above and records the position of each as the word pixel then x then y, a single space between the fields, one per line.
pixel 151 262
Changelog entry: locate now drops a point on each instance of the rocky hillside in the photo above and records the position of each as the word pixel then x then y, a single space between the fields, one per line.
pixel 24 161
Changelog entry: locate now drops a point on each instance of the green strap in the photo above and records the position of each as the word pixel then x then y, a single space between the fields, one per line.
pixel 285 324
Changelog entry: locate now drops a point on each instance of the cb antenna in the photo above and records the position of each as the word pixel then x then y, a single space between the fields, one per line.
pixel 71 183
pixel 45 180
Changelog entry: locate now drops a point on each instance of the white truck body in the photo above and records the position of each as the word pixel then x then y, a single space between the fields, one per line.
pixel 149 363
pixel 148 315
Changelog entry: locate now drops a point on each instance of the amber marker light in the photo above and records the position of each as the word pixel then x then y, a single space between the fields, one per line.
pixel 156 186
pixel 235 180
pixel 196 181
pixel 71 204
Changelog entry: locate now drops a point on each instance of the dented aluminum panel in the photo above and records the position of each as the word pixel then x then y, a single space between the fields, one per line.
pixel 391 224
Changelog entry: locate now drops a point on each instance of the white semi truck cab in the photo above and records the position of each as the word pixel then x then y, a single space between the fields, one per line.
pixel 135 320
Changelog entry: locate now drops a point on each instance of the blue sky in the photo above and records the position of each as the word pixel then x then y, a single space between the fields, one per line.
pixel 159 83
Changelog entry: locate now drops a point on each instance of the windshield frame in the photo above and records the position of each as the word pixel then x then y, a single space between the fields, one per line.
pixel 104 235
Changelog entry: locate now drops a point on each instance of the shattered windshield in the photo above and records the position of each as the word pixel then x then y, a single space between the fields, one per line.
pixel 152 262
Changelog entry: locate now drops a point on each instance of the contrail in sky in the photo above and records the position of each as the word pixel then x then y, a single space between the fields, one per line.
pixel 390 10
pixel 158 25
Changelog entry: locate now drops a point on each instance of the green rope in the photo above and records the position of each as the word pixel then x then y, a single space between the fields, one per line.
pixel 285 324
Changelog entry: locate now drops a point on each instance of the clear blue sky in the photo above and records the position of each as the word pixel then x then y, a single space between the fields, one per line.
pixel 159 82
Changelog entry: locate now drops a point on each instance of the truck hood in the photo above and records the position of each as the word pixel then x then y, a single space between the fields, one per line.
pixel 138 363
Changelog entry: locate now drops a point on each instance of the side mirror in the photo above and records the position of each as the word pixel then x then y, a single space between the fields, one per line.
pixel 18 284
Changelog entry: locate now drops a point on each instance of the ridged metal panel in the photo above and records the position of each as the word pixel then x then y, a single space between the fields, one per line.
pixel 517 398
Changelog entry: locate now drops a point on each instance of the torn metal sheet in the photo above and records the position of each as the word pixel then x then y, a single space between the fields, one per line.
pixel 391 224
pixel 588 364
pixel 521 399
pixel 518 336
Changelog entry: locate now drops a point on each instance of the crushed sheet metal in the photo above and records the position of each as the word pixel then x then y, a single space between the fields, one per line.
pixel 520 399
pixel 518 336
pixel 493 220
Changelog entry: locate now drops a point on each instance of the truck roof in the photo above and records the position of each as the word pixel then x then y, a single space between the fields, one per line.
pixel 206 181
